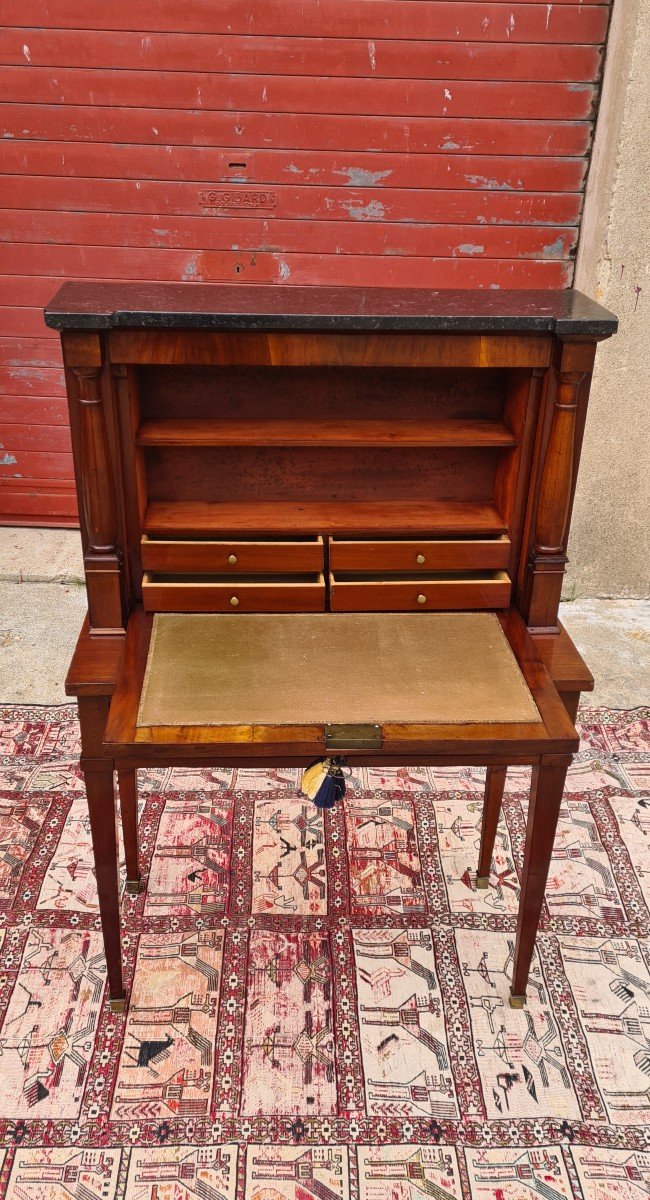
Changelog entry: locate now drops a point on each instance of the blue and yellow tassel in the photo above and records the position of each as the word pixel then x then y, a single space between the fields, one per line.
pixel 323 782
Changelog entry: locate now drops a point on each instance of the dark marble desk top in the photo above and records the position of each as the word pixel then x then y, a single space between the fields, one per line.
pixel 245 307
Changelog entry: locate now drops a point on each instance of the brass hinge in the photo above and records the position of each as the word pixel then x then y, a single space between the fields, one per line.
pixel 353 737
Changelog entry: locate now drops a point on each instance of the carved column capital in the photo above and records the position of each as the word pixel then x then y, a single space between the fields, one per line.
pixel 88 377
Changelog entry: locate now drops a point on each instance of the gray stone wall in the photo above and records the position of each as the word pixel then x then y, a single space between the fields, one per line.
pixel 610 539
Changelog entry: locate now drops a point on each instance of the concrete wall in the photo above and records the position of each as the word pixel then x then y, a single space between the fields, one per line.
pixel 610 540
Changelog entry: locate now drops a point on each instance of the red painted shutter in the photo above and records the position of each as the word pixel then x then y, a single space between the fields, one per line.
pixel 439 143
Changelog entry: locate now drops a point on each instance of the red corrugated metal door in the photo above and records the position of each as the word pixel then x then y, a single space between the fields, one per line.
pixel 436 143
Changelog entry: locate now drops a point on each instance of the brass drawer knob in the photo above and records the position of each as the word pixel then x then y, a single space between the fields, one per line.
pixel 232 558
pixel 422 599
pixel 420 559
pixel 234 601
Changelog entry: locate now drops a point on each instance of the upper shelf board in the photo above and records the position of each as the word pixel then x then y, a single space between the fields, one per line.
pixel 350 433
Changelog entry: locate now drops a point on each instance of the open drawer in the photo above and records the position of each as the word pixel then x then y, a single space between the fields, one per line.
pixel 229 557
pixel 432 593
pixel 419 554
pixel 242 593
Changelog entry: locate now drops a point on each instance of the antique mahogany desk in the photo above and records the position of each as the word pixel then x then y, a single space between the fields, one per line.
pixel 325 521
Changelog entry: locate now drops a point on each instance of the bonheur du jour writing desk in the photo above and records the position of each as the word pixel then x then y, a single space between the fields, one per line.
pixel 321 522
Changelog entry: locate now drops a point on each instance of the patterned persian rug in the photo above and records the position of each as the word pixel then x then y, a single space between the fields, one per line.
pixel 319 1006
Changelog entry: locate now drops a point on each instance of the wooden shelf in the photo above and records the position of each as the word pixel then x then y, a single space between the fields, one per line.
pixel 198 517
pixel 353 433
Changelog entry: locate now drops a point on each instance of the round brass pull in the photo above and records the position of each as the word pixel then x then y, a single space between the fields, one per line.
pixel 422 599
pixel 234 601
pixel 420 558
pixel 232 558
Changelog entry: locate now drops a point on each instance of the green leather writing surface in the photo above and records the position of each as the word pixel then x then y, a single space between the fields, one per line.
pixel 312 668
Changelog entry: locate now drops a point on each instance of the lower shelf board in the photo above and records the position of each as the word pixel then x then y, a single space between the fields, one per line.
pixel 203 518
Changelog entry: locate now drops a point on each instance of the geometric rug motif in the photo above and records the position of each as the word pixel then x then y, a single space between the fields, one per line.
pixel 319 1001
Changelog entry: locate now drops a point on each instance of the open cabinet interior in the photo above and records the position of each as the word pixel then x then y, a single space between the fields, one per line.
pixel 293 488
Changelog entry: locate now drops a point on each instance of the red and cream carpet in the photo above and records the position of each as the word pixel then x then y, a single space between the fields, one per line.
pixel 319 1005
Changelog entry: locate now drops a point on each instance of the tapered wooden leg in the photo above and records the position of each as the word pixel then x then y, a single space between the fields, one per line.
pixel 495 782
pixel 100 793
pixel 546 791
pixel 127 783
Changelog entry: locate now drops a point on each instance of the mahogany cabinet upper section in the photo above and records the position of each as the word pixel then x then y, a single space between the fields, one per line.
pixel 300 449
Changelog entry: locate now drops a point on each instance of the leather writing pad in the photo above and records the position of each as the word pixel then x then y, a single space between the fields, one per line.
pixel 316 668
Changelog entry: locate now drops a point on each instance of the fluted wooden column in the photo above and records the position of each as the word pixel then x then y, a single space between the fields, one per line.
pixel 557 479
pixel 101 558
pixel 99 500
pixel 548 558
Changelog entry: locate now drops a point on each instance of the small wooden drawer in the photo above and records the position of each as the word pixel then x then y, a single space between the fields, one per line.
pixel 454 554
pixel 426 593
pixel 232 557
pixel 247 593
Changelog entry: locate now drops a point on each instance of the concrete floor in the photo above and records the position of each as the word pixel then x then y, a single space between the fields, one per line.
pixel 42 603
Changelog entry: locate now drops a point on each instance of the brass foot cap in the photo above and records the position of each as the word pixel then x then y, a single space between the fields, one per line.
pixel 118 1006
pixel 517 1001
pixel 482 882
pixel 133 886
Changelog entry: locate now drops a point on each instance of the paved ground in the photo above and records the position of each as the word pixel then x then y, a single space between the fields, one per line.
pixel 42 602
